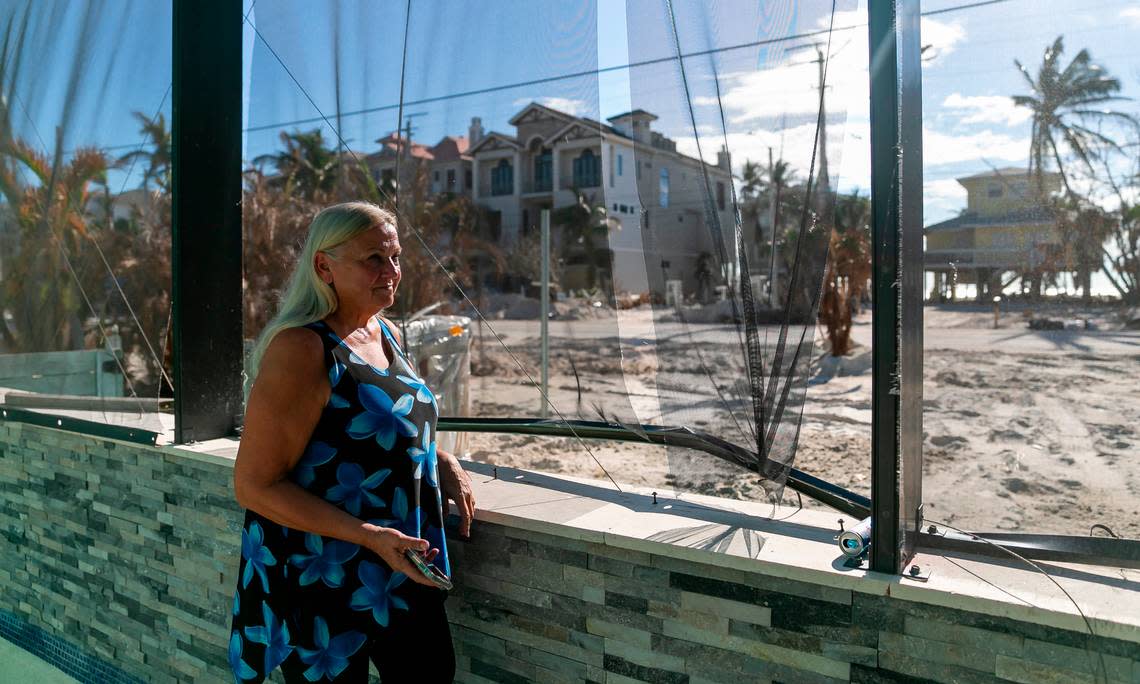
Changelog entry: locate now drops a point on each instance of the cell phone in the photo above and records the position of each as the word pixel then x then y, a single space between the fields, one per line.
pixel 434 575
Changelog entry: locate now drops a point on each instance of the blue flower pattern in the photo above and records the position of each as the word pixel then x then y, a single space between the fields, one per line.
pixel 324 562
pixel 368 455
pixel 330 657
pixel 316 454
pixel 423 394
pixel 382 417
pixel 375 592
pixel 256 556
pixel 353 488
pixel 425 458
pixel 241 669
pixel 273 635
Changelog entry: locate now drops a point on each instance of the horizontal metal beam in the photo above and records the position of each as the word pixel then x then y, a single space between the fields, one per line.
pixel 842 500
pixel 78 425
pixel 1106 551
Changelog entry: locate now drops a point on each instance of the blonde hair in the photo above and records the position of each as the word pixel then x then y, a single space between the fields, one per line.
pixel 307 297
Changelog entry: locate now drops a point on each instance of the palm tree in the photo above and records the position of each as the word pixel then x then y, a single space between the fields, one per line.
pixel 157 156
pixel 848 270
pixel 764 195
pixel 1065 104
pixel 306 165
pixel 584 228
pixel 40 291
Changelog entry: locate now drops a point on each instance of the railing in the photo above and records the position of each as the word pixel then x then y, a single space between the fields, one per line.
pixel 982 257
pixel 581 182
pixel 539 185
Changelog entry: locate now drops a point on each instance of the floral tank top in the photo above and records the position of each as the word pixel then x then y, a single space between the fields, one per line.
pixel 372 454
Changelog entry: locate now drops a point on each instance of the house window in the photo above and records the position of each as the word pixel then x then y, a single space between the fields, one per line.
pixel 615 206
pixel 502 178
pixel 451 180
pixel 720 195
pixel 612 166
pixel 587 170
pixel 437 176
pixel 467 178
pixel 663 188
pixel 619 165
pixel 993 190
pixel 387 177
pixel 543 172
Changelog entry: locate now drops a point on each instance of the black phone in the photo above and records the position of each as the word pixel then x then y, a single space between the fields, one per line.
pixel 428 570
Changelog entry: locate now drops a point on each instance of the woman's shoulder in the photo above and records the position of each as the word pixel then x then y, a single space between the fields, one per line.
pixel 293 362
pixel 296 347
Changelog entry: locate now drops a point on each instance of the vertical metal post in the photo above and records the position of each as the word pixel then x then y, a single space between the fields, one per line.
pixel 896 234
pixel 207 240
pixel 544 312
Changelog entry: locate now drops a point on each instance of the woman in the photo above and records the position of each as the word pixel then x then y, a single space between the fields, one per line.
pixel 340 474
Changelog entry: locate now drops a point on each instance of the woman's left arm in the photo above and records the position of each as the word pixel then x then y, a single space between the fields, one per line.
pixel 456 485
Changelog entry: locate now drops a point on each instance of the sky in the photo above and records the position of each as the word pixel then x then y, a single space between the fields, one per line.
pixel 307 60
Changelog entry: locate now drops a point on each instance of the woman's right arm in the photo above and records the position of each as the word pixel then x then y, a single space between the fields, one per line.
pixel 284 407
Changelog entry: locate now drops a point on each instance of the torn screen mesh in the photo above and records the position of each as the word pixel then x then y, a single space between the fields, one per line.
pixel 642 132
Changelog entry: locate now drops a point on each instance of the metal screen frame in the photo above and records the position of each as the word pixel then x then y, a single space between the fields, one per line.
pixel 896 235
pixel 206 292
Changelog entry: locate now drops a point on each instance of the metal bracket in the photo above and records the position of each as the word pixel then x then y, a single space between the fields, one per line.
pixel 917 572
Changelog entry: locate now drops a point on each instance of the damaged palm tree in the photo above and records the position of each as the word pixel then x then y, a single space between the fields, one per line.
pixel 584 228
pixel 848 271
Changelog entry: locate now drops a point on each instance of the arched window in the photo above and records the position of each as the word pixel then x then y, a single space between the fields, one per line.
pixel 663 189
pixel 502 178
pixel 587 170
pixel 543 171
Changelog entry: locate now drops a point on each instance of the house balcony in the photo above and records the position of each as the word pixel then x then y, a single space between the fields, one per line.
pixel 585 182
pixel 944 259
pixel 539 186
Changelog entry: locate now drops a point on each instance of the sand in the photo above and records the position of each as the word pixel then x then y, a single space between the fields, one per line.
pixel 1024 430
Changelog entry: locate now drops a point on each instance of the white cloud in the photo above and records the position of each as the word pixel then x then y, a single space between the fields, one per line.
pixel 978 148
pixel 942 199
pixel 791 89
pixel 1131 14
pixel 991 109
pixel 567 105
pixel 942 38
pixel 848 150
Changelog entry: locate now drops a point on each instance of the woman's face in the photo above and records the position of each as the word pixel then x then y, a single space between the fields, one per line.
pixel 365 271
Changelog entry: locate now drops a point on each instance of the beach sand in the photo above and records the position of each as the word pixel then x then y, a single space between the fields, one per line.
pixel 1023 430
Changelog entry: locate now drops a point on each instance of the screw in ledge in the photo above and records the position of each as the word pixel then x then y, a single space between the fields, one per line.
pixel 915 571
pixel 494 472
pixel 933 529
pixel 654 498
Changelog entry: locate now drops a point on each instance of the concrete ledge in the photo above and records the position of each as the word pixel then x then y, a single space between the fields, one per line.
pixel 131 553
pixel 752 538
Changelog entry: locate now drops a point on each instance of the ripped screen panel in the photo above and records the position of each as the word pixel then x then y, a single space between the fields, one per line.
pixel 686 160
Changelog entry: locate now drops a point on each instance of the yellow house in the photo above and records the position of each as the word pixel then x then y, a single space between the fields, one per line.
pixel 1003 229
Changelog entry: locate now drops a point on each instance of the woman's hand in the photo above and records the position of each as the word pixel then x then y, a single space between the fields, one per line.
pixel 456 486
pixel 390 544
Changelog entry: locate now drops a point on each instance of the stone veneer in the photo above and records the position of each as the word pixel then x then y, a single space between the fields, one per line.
pixel 129 554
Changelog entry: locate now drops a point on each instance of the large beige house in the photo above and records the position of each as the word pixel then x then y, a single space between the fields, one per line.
pixel 1003 229
pixel 655 195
